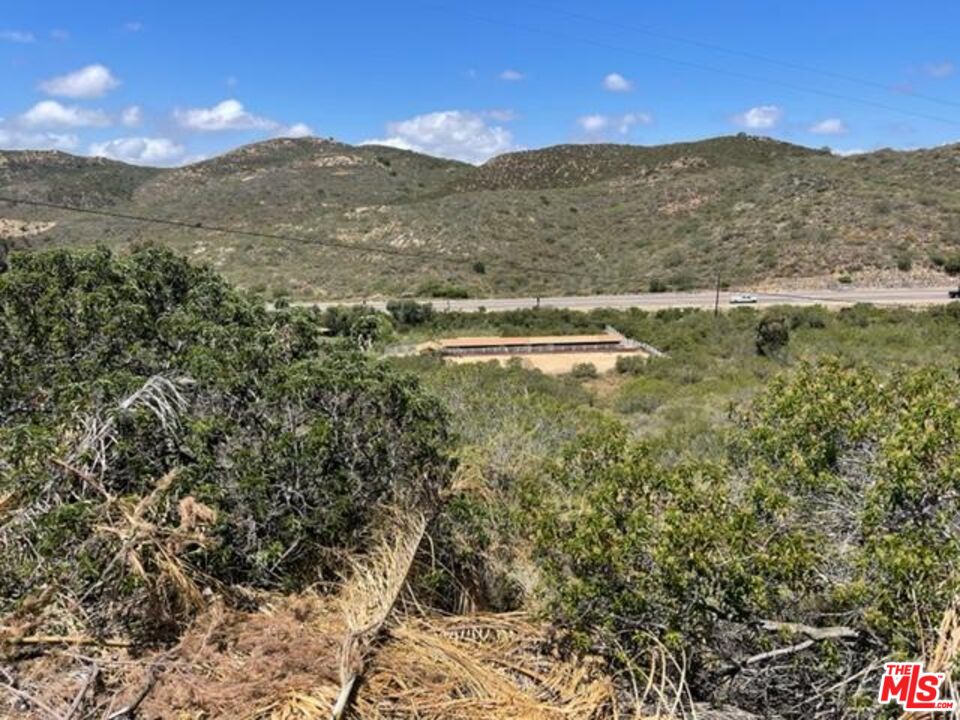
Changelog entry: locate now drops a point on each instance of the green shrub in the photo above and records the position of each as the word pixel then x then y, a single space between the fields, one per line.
pixel 631 364
pixel 584 371
pixel 815 317
pixel 437 289
pixel 952 265
pixel 410 312
pixel 836 502
pixel 773 334
pixel 117 373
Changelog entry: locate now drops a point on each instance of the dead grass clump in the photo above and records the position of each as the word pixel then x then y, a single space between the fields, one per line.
pixel 478 667
pixel 254 665
pixel 282 663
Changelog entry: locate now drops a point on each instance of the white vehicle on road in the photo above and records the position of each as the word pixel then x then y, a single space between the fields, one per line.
pixel 743 299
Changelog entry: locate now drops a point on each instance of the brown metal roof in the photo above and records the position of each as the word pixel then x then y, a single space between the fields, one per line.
pixel 474 342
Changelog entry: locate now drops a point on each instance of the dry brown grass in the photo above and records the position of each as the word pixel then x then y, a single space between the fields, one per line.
pixel 943 658
pixel 282 664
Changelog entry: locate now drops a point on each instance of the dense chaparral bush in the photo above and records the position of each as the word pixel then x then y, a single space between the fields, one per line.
pixel 837 505
pixel 146 407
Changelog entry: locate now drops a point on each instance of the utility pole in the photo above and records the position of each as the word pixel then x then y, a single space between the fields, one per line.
pixel 716 302
pixel 4 249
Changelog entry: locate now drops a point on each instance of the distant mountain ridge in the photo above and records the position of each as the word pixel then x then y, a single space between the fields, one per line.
pixel 563 219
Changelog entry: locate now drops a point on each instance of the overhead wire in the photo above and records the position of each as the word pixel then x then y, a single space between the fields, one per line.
pixel 568 37
pixel 321 242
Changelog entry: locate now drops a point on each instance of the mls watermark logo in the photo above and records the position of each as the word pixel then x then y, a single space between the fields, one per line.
pixel 912 688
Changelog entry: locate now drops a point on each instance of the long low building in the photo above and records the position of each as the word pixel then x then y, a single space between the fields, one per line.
pixel 549 353
pixel 610 341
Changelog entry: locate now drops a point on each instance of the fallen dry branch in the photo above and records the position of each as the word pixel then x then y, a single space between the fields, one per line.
pixel 369 597
pixel 838 632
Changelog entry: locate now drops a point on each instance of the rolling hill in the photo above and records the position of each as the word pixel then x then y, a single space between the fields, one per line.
pixel 376 221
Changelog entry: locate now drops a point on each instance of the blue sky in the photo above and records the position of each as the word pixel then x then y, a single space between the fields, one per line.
pixel 170 82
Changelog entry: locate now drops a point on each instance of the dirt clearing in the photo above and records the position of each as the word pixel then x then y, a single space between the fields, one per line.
pixel 553 363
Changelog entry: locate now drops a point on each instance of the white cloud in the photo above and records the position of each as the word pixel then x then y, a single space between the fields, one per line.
pixel 140 150
pixel 227 115
pixel 940 69
pixel 60 35
pixel 512 75
pixel 132 116
pixel 17 36
pixel 297 130
pixel 14 139
pixel 597 124
pixel 501 115
pixel 830 126
pixel 51 114
pixel 593 123
pixel 847 153
pixel 457 134
pixel 133 26
pixel 89 82
pixel 615 82
pixel 762 117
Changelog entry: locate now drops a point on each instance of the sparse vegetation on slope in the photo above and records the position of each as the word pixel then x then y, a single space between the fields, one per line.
pixel 569 219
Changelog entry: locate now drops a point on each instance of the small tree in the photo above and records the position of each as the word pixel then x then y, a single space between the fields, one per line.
pixel 369 328
pixel 410 312
pixel 773 334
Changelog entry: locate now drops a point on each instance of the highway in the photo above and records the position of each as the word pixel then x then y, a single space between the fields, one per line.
pixel 701 299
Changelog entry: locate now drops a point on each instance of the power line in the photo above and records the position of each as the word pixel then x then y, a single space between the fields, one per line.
pixel 332 244
pixel 654 33
pixel 696 65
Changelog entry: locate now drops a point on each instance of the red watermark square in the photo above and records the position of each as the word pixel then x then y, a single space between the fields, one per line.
pixel 912 688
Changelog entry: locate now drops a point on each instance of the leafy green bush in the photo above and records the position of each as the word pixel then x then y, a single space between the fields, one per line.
pixel 951 265
pixel 773 334
pixel 410 312
pixel 631 364
pixel 814 317
pixel 584 371
pixel 436 289
pixel 836 503
pixel 148 383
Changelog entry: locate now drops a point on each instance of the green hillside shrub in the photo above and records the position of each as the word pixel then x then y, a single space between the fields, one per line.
pixel 247 446
pixel 584 371
pixel 410 312
pixel 836 504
